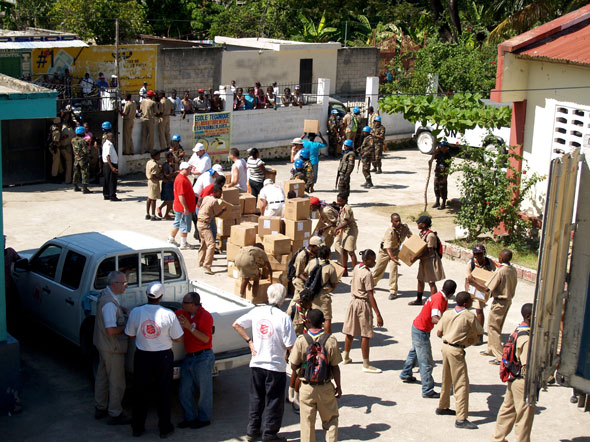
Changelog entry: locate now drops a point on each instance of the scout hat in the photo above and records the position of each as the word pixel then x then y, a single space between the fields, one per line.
pixel 315 241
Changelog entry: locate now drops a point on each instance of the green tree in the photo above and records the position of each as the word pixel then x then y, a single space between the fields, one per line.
pixel 96 19
pixel 313 33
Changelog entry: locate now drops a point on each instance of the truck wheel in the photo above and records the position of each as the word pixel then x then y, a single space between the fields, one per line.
pixel 425 142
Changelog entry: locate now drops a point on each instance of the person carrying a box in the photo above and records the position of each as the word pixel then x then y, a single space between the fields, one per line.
pixel 388 251
pixel 346 233
pixel 328 215
pixel 501 287
pixel 209 209
pixel 481 261
pixel 430 269
pixel 297 265
pixel 359 314
pixel 250 261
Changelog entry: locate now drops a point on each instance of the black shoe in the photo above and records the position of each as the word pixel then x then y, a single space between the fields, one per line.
pixel 100 414
pixel 409 380
pixel 200 424
pixel 147 217
pixel 379 171
pixel 445 412
pixel 106 198
pixel 115 199
pixel 186 424
pixel 86 190
pixel 137 433
pixel 77 189
pixel 415 302
pixel 573 400
pixel 374 169
pixel 435 205
pixel 164 434
pixel 370 184
pixel 442 207
pixel 432 395
pixel 153 218
pixel 392 296
pixel 465 424
pixel 253 437
pixel 122 419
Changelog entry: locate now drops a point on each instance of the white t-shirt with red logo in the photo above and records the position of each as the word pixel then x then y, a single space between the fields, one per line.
pixel 154 327
pixel 272 334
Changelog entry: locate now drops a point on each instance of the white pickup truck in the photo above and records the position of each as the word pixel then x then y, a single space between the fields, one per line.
pixel 59 283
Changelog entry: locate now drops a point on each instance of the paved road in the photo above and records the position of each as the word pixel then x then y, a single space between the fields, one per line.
pixel 58 397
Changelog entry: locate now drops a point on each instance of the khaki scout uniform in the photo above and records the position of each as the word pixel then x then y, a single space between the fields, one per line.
pixel 153 170
pixel 490 267
pixel 359 315
pixel 166 107
pixel 128 123
pixel 347 238
pixel 430 268
pixel 329 217
pixel 514 410
pixel 460 329
pixel 323 300
pixel 149 109
pixel 345 169
pixel 378 134
pixel 65 151
pixel 502 288
pixel 392 239
pixel 81 160
pixel 250 260
pixel 318 398
pixel 209 209
pixel 301 260
pixel 300 318
pixel 109 386
pixel 367 156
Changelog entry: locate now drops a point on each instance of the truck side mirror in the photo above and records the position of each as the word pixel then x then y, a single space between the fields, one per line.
pixel 22 265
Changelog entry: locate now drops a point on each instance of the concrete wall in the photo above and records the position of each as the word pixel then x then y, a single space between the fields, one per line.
pixel 267 66
pixel 354 65
pixel 189 69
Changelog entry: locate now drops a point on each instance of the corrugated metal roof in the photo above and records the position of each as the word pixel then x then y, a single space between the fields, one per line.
pixel 42 44
pixel 571 45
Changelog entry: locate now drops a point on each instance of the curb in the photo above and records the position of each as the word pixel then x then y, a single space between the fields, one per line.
pixel 454 252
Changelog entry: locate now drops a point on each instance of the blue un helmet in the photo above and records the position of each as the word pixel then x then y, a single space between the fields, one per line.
pixel 106 125
pixel 80 130
pixel 298 164
pixel 356 110
pixel 176 137
pixel 378 119
pixel 367 129
pixel 348 143
pixel 334 112
pixel 304 154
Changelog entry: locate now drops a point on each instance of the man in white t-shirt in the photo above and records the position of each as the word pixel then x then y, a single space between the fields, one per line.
pixel 199 161
pixel 110 169
pixel 272 336
pixel 207 178
pixel 239 173
pixel 154 328
pixel 271 199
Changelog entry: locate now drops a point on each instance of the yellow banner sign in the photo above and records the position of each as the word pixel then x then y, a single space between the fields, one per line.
pixel 137 63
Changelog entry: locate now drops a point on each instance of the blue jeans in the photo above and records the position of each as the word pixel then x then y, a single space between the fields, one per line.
pixel 420 355
pixel 197 371
pixel 314 167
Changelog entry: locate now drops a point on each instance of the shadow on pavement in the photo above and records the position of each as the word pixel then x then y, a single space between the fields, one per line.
pixel 356 432
pixel 363 401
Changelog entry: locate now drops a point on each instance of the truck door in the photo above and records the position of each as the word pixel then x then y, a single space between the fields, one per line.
pixel 41 280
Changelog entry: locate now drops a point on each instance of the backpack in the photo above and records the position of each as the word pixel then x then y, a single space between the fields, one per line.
pixel 510 366
pixel 439 247
pixel 314 281
pixel 316 369
pixel 354 124
pixel 291 266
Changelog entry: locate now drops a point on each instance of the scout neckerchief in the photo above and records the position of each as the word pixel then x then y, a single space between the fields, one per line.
pixel 460 309
pixel 303 315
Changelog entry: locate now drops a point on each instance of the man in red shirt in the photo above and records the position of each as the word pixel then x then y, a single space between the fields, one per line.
pixel 184 205
pixel 197 367
pixel 421 352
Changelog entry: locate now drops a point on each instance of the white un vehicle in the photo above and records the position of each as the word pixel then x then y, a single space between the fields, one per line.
pixel 59 284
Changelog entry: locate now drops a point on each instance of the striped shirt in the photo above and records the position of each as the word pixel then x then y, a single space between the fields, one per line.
pixel 254 172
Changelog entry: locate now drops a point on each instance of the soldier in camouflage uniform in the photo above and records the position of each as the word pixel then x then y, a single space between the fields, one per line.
pixel 367 154
pixel 378 134
pixel 334 133
pixel 443 159
pixel 346 167
pixel 81 160
pixel 303 171
pixel 54 142
pixel 308 168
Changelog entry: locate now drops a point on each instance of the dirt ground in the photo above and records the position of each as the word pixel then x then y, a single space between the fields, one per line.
pixel 58 398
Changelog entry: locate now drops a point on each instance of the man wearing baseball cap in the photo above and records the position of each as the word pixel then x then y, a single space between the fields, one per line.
pixel 154 328
pixel 201 102
pixel 148 109
pixel 200 160
pixel 271 199
pixel 328 214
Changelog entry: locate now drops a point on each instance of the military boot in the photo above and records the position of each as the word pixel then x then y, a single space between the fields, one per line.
pixel 85 189
pixel 374 169
pixel 378 170
pixel 443 205
pixel 369 184
pixel 436 204
pixel 76 188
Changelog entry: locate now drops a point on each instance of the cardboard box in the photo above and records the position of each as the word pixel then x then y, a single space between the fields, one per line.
pixel 260 297
pixel 316 224
pixel 297 185
pixel 231 195
pixel 298 230
pixel 268 225
pixel 277 244
pixel 232 251
pixel 259 239
pixel 280 277
pixel 250 219
pixel 483 277
pixel 297 244
pixel 232 270
pixel 247 203
pixel 339 269
pixel 271 173
pixel 279 262
pixel 242 235
pixel 311 126
pixel 413 246
pixel 236 213
pixel 224 226
pixel 229 210
pixel 297 209
pixel 250 224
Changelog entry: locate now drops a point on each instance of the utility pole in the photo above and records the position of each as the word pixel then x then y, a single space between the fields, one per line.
pixel 117 56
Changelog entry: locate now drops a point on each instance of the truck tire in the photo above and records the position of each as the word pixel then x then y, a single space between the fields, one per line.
pixel 426 142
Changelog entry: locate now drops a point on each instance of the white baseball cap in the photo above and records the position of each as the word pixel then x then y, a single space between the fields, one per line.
pixel 155 290
pixel 198 147
pixel 217 168
pixel 297 141
pixel 267 181
pixel 184 165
